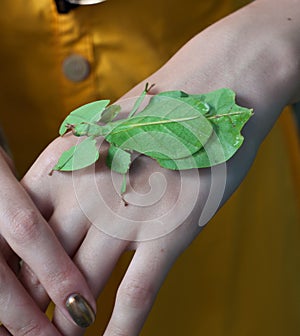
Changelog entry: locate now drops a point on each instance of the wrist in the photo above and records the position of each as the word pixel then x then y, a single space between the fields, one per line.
pixel 253 51
pixel 271 31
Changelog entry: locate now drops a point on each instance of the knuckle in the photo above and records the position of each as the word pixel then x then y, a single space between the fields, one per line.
pixel 136 293
pixel 23 225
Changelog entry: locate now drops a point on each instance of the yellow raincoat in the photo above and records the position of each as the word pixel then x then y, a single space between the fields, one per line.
pixel 242 274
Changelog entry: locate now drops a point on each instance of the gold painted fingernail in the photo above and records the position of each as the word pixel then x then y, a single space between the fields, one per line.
pixel 80 310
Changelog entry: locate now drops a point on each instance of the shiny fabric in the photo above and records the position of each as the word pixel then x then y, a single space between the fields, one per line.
pixel 241 275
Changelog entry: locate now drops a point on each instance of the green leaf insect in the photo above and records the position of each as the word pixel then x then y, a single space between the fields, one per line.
pixel 177 129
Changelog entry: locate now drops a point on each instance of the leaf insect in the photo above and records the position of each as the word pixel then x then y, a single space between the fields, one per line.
pixel 177 129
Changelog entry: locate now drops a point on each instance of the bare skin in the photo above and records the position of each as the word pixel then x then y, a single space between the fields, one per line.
pixel 233 53
pixel 25 234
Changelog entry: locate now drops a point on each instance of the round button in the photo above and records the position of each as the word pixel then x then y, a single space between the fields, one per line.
pixel 76 68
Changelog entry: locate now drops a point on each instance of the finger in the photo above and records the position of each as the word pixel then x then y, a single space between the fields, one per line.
pixel 138 289
pixel 96 258
pixel 70 228
pixel 34 287
pixel 18 312
pixel 29 235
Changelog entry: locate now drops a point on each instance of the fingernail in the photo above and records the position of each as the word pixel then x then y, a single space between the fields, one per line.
pixel 80 310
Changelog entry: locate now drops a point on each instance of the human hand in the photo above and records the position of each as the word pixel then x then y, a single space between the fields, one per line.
pixel 26 235
pixel 219 57
pixel 95 226
pixel 76 201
